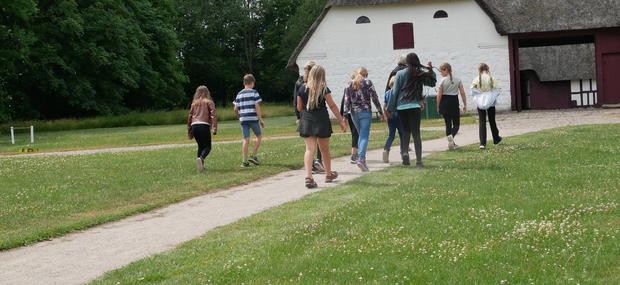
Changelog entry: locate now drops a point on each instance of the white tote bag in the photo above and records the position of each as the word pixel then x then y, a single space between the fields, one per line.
pixel 485 100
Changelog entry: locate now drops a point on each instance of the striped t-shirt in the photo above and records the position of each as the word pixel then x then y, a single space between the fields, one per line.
pixel 245 101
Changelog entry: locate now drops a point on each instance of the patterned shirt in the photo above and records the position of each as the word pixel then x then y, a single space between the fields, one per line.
pixel 245 102
pixel 356 101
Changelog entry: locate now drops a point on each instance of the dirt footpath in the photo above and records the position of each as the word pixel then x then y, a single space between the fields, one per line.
pixel 83 256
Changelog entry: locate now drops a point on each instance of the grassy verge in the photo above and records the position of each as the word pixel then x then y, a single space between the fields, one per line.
pixel 540 209
pixel 150 118
pixel 43 197
pixel 150 135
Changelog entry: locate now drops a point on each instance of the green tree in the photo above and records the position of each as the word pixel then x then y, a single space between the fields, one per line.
pixel 223 40
pixel 85 57
pixel 78 57
pixel 15 42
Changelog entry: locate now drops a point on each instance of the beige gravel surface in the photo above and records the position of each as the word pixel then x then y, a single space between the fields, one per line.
pixel 82 256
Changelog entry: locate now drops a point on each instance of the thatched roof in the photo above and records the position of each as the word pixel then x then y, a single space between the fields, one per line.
pixel 510 17
pixel 556 63
pixel 527 16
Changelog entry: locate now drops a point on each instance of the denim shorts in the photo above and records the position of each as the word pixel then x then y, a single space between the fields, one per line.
pixel 246 126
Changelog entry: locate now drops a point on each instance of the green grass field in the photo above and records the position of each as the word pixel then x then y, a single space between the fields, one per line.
pixel 152 135
pixel 43 197
pixel 541 208
pixel 146 118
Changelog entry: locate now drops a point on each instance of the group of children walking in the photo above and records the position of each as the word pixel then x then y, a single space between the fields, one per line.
pixel 202 121
pixel 403 103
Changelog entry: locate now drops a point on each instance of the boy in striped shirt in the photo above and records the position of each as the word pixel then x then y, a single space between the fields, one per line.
pixel 248 111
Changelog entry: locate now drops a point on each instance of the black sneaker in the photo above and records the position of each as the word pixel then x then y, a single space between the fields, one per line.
pixel 406 159
pixel 354 158
pixel 245 164
pixel 499 140
pixel 316 170
pixel 419 164
pixel 254 159
pixel 318 166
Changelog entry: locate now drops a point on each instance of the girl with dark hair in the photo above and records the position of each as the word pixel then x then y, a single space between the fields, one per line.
pixel 201 121
pixel 408 101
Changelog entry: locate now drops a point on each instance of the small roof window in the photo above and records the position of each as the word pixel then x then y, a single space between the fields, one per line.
pixel 440 14
pixel 362 20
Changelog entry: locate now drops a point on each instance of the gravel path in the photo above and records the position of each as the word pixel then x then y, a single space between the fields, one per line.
pixel 83 256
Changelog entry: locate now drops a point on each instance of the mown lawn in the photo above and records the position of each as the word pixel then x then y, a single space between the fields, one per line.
pixel 145 118
pixel 539 209
pixel 152 135
pixel 43 197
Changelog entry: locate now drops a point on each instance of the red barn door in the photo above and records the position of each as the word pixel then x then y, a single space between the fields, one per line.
pixel 611 74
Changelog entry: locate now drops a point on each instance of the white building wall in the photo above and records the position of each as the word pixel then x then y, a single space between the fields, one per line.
pixel 464 39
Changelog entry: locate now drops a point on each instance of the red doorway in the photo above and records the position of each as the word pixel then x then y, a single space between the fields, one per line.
pixel 611 78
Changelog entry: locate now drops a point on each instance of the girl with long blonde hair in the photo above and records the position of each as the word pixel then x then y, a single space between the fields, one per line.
pixel 317 166
pixel 201 120
pixel 315 126
pixel 354 134
pixel 357 102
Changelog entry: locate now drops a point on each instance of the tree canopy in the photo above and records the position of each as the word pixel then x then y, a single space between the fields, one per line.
pixel 73 58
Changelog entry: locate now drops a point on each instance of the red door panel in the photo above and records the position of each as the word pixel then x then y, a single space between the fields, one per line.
pixel 611 78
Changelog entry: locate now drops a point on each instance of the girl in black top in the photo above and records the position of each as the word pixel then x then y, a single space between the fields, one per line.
pixel 317 167
pixel 315 126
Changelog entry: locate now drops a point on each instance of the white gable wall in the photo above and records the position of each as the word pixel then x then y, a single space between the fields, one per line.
pixel 464 39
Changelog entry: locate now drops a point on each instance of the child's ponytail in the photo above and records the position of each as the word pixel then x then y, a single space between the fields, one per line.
pixel 483 67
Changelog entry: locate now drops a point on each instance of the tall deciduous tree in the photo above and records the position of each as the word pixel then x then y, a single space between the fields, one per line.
pixel 97 57
pixel 223 40
pixel 15 42
pixel 79 57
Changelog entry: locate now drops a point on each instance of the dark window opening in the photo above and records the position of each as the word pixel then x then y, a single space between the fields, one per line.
pixel 440 14
pixel 363 20
pixel 403 35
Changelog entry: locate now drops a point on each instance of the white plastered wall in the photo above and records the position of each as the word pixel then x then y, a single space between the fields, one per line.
pixel 464 39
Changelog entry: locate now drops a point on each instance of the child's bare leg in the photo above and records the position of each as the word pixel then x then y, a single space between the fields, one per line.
pixel 246 143
pixel 257 144
pixel 327 159
pixel 309 155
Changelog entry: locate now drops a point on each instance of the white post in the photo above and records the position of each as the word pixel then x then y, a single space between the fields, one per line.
pixel 31 134
pixel 13 135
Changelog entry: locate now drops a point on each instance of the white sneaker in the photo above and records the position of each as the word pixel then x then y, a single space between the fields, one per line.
pixel 451 142
pixel 200 165
pixel 482 147
pixel 386 156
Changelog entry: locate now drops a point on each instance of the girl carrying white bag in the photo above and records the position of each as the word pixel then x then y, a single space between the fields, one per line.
pixel 485 100
pixel 485 92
